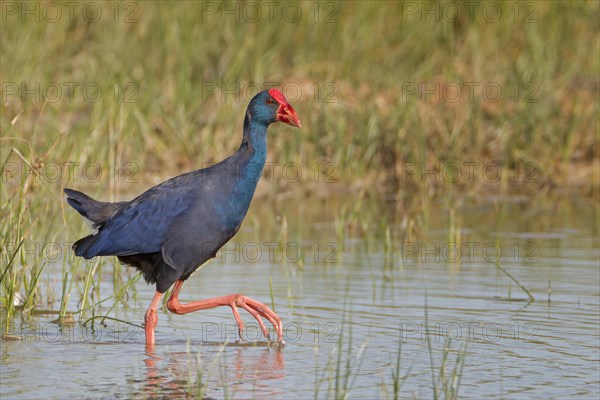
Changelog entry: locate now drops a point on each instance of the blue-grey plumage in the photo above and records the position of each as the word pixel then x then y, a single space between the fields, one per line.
pixel 173 228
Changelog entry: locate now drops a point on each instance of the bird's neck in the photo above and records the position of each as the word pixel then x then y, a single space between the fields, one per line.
pixel 253 150
pixel 243 170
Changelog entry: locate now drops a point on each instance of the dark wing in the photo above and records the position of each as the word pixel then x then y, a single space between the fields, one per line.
pixel 140 226
pixel 195 237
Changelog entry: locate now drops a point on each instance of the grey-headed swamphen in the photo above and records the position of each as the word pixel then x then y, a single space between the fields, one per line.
pixel 173 228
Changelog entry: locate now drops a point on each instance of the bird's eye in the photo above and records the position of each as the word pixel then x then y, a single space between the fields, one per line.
pixel 270 101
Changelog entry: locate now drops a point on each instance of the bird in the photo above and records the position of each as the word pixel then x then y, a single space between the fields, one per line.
pixel 172 229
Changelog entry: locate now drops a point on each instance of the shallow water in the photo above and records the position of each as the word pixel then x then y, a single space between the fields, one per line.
pixel 356 292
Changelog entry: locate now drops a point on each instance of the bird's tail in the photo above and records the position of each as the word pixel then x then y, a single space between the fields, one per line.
pixel 95 211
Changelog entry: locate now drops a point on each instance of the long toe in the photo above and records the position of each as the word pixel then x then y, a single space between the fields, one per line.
pixel 257 310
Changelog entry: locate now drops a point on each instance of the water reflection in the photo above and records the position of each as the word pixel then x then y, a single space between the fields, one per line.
pixel 224 367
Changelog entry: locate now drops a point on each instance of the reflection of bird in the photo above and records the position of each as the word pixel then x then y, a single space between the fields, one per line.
pixel 258 372
pixel 173 228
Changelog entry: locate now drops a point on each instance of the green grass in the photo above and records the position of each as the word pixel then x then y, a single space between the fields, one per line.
pixel 366 62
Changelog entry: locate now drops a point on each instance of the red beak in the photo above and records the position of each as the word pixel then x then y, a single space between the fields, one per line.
pixel 285 112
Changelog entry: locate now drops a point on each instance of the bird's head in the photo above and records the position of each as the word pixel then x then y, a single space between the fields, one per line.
pixel 271 106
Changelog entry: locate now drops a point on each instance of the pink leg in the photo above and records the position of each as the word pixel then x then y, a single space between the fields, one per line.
pixel 151 320
pixel 255 308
